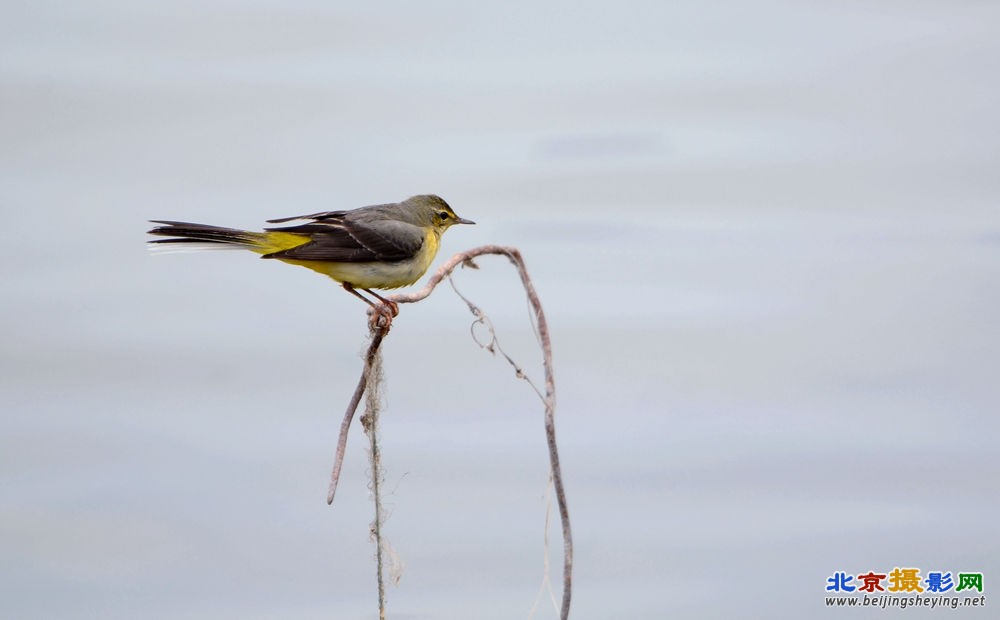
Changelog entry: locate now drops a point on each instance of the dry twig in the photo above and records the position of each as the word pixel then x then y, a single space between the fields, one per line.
pixel 370 422
pixel 380 329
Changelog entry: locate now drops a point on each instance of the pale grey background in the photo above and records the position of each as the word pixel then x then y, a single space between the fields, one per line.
pixel 766 234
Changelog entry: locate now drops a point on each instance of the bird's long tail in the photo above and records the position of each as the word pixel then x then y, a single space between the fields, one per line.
pixel 185 235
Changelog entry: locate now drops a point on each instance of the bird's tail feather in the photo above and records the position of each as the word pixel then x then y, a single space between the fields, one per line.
pixel 184 236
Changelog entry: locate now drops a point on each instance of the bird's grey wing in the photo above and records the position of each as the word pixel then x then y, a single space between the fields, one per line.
pixel 322 215
pixel 351 241
pixel 360 213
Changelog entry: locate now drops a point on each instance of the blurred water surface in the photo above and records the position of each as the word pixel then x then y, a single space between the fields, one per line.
pixel 766 234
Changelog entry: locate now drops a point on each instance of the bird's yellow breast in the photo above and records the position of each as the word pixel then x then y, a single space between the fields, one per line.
pixel 380 275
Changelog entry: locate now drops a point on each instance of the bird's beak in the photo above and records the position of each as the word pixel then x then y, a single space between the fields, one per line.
pixel 462 220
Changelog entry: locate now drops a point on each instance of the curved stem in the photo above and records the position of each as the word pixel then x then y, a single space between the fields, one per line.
pixel 466 258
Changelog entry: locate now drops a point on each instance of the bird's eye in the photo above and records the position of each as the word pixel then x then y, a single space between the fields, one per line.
pixel 443 215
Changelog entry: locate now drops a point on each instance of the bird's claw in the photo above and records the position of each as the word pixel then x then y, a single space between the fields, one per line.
pixel 381 316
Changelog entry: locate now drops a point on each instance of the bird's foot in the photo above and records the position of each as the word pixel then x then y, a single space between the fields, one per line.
pixel 380 316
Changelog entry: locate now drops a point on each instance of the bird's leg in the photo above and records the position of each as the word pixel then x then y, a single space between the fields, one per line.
pixel 387 309
pixel 391 304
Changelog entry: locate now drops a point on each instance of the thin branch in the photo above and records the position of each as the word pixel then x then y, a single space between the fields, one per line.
pixel 542 330
pixel 370 422
pixel 493 346
pixel 379 330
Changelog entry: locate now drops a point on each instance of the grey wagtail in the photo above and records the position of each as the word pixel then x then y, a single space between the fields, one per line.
pixel 377 247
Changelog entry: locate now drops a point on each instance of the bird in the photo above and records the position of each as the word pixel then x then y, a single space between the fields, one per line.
pixel 383 246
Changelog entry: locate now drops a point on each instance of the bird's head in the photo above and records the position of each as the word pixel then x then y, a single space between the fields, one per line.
pixel 431 210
